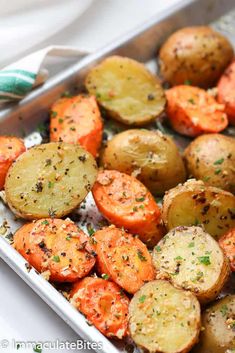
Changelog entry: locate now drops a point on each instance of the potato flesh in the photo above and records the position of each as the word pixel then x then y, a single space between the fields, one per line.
pixel 193 203
pixel 49 180
pixel 192 260
pixel 129 92
pixel 218 335
pixel 163 318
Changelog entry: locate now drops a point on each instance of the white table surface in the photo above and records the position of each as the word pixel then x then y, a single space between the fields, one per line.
pixel 23 315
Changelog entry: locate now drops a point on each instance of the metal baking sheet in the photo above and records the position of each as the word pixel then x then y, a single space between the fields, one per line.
pixel 25 119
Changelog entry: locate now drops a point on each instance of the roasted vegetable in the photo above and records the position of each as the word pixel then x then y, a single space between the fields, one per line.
pixel 227 243
pixel 77 120
pixel 194 203
pixel 192 111
pixel 49 180
pixel 218 334
pixel 126 202
pixel 191 259
pixel 226 92
pixel 195 54
pixel 211 158
pixel 10 149
pixel 149 155
pixel 127 90
pixel 104 305
pixel 123 258
pixel 55 247
pixel 164 319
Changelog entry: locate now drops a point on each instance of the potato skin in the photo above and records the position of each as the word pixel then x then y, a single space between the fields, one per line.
pixel 150 156
pixel 211 158
pixel 191 259
pixel 197 54
pixel 164 319
pixel 194 203
pixel 217 337
pixel 127 90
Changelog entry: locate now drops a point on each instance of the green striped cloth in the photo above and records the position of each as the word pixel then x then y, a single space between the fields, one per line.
pixel 18 79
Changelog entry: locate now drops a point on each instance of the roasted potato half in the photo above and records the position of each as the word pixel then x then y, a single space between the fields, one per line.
pixel 211 158
pixel 148 155
pixel 49 180
pixel 195 54
pixel 164 319
pixel 191 259
pixel 194 203
pixel 218 321
pixel 127 90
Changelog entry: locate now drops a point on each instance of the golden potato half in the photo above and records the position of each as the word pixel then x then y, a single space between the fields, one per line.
pixel 127 90
pixel 149 155
pixel 194 203
pixel 218 321
pixel 49 180
pixel 164 319
pixel 195 54
pixel 191 259
pixel 211 158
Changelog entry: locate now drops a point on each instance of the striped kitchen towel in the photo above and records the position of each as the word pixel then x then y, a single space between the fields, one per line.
pixel 19 78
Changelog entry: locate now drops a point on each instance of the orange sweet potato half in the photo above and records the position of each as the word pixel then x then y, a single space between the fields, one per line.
pixel 77 120
pixel 10 149
pixel 126 202
pixel 104 305
pixel 123 258
pixel 55 246
pixel 192 111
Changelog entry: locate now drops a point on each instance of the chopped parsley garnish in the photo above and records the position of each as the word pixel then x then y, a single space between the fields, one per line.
pixel 53 114
pixel 206 178
pixel 178 258
pixel 219 161
pixel 90 230
pixel 135 209
pixel 50 184
pixel 140 199
pixel 196 222
pixel 191 245
pixel 141 256
pixel 56 258
pixel 105 276
pixel 158 248
pixel 187 82
pixel 218 171
pixel 205 260
pixel 191 100
pixel 45 222
pixel 142 298
pixel 224 310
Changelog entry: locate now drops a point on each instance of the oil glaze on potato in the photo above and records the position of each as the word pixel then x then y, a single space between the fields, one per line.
pixel 195 203
pixel 218 335
pixel 164 319
pixel 127 90
pixel 149 155
pixel 49 180
pixel 191 259
pixel 211 158
pixel 195 54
